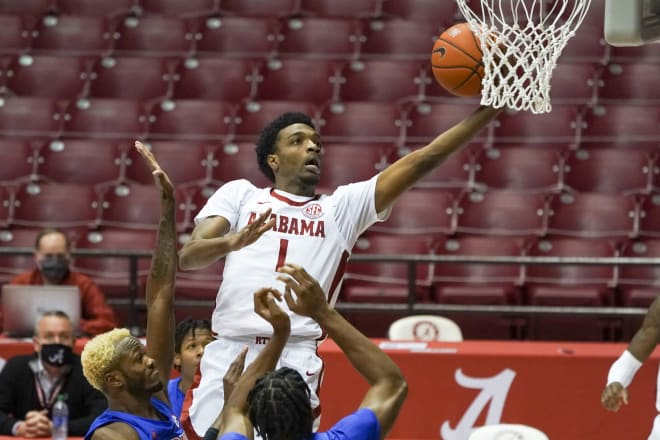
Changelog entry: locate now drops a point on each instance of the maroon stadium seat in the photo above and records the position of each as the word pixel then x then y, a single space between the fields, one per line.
pixel 217 78
pixel 425 122
pixel 201 284
pixel 342 8
pixel 362 121
pixel 365 162
pixel 238 161
pixel 250 37
pixel 191 120
pixel 154 35
pixel 317 81
pixel 638 284
pixel 623 121
pixel 421 212
pixel 525 168
pixel 591 215
pixel 6 205
pixel 577 82
pixel 97 8
pixel 12 265
pixel 186 8
pixel 106 119
pixel 17 159
pixel 71 35
pixel 382 80
pixel 56 205
pixel 631 81
pixel 48 76
pixel 513 213
pixel 82 161
pixel 327 38
pixel 133 78
pixel 456 172
pixel 588 44
pixel 570 285
pixel 560 125
pixel 31 117
pixel 400 39
pixel 26 7
pixel 609 170
pixel 649 216
pixel 14 37
pixel 441 14
pixel 270 8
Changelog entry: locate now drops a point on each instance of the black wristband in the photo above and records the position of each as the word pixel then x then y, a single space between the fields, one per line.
pixel 211 434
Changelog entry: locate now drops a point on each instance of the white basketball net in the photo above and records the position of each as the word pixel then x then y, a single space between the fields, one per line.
pixel 521 41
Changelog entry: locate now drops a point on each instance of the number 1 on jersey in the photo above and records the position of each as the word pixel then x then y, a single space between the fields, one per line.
pixel 281 258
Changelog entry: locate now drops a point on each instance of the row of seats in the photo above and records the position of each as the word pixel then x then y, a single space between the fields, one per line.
pixel 354 121
pixel 598 168
pixel 418 212
pixel 317 81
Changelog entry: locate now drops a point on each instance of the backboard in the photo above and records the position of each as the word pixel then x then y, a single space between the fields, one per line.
pixel 632 22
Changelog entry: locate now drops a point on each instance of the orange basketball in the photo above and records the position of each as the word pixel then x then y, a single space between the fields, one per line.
pixel 456 61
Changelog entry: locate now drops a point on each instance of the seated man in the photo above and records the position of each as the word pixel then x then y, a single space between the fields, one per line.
pixel 52 255
pixel 277 404
pixel 30 384
pixel 190 338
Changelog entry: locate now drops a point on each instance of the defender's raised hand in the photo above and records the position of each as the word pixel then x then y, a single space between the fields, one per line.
pixel 310 299
pixel 265 306
pixel 161 179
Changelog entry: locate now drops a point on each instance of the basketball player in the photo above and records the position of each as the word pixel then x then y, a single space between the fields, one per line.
pixel 257 230
pixel 277 405
pixel 134 380
pixel 624 368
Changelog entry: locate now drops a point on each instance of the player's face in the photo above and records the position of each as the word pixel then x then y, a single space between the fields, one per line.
pixel 297 157
pixel 192 348
pixel 139 371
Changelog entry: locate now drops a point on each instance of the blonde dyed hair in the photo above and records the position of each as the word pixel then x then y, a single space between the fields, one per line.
pixel 100 355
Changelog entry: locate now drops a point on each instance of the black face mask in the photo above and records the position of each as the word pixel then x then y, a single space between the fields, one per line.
pixel 55 269
pixel 56 355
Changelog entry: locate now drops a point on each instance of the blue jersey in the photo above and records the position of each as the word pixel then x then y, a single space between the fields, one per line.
pixel 168 428
pixel 176 395
pixel 361 425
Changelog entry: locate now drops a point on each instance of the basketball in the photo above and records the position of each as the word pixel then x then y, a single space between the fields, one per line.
pixel 456 61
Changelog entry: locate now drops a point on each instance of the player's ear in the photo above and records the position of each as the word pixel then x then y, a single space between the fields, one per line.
pixel 113 380
pixel 273 162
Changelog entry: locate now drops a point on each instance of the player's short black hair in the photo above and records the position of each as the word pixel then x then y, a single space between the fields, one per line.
pixel 279 408
pixel 185 326
pixel 268 137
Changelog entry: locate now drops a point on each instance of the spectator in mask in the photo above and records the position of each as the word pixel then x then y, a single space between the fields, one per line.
pixel 52 256
pixel 30 384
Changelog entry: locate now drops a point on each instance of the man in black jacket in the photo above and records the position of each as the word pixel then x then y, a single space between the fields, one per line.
pixel 30 384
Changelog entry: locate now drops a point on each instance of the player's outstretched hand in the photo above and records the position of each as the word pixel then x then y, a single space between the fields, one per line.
pixel 266 307
pixel 162 180
pixel 310 299
pixel 233 373
pixel 251 233
pixel 613 396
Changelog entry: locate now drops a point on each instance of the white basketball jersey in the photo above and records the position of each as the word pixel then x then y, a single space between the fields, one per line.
pixel 316 233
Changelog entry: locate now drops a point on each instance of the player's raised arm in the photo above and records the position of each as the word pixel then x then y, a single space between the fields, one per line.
pixel 388 386
pixel 624 368
pixel 160 282
pixel 405 172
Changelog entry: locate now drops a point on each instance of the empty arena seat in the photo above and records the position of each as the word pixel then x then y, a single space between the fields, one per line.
pixel 520 168
pixel 588 44
pixel 421 212
pixel 386 282
pixel 570 285
pixel 238 161
pixel 250 37
pixel 217 78
pixel 425 328
pixel 399 39
pixel 153 35
pixel 184 8
pixel 30 117
pixel 592 215
pixel 312 37
pixel 649 215
pixel 423 11
pixel 71 35
pixel 200 284
pixel 609 170
pixel 12 265
pixel 26 7
pixel 577 82
pixel 360 121
pixel 191 120
pixel 133 206
pixel 502 212
pixel 106 118
pixel 251 119
pixel 6 205
pixel 14 37
pixel 426 121
pixel 560 125
pixel 638 284
pixel 185 162
pixel 341 8
pixel 622 120
pixel 260 8
pixel 17 159
pixel 112 273
pixel 82 161
pixel 365 162
pixel 48 76
pixel 97 8
pixel 630 81
pixel 131 77
pixel 382 80
pixel 317 81
pixel 56 205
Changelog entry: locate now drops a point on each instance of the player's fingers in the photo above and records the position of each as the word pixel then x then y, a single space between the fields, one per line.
pixel 239 362
pixel 289 298
pixel 624 397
